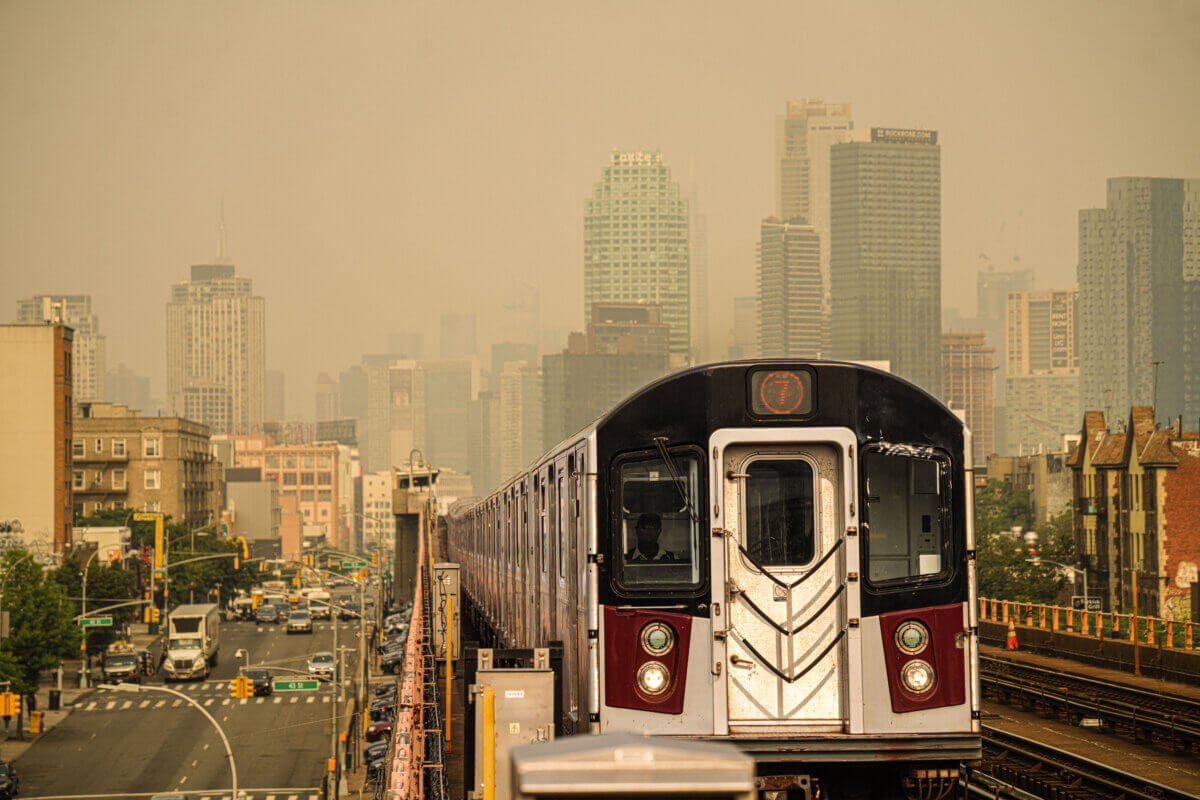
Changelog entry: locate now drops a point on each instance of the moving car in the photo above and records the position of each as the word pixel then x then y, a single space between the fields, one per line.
pixel 299 622
pixel 390 662
pixel 261 680
pixel 121 663
pixel 268 614
pixel 10 784
pixel 321 665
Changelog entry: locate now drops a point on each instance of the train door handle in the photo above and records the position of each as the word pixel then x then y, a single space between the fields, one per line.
pixel 742 663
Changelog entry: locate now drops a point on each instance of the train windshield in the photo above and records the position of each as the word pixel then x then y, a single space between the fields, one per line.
pixel 907 506
pixel 779 512
pixel 659 531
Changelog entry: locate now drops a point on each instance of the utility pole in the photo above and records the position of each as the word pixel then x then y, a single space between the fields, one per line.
pixel 1154 394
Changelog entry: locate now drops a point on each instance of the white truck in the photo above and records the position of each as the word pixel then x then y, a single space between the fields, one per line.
pixel 192 641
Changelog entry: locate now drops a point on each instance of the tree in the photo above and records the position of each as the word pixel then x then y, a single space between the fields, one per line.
pixel 41 620
pixel 1003 560
pixel 107 585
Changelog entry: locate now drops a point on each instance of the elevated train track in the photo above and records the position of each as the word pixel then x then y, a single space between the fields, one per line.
pixel 1163 720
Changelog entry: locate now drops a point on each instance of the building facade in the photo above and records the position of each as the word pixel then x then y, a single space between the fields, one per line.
pixel 1042 387
pixel 744 336
pixel 885 252
pixel 968 383
pixel 520 417
pixel 635 243
pixel 126 460
pixel 628 328
pixel 804 136
pixel 88 364
pixel 216 350
pixel 1139 297
pixel 378 523
pixel 1135 495
pixel 36 428
pixel 1044 475
pixel 790 295
pixel 253 512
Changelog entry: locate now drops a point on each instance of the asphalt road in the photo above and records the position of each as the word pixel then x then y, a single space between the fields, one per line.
pixel 117 742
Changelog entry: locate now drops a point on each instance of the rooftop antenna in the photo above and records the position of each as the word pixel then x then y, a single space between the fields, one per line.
pixel 1154 394
pixel 223 253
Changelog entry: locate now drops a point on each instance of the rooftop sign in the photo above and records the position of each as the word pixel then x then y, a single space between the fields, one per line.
pixel 903 136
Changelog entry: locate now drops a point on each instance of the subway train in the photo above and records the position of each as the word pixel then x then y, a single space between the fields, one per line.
pixel 776 553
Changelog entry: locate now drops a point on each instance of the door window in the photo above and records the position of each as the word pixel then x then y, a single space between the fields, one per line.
pixel 907 523
pixel 659 521
pixel 779 512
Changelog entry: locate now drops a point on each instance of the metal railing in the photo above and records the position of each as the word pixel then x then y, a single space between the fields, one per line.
pixel 1153 631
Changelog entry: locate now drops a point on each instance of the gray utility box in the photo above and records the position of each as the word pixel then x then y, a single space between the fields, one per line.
pixel 630 765
pixel 445 585
pixel 522 712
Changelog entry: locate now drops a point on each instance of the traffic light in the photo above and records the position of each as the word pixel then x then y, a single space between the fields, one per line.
pixel 10 704
pixel 374 558
pixel 240 687
pixel 262 566
pixel 154 614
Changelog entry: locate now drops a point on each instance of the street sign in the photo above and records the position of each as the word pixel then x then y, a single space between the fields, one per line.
pixel 1081 603
pixel 96 622
pixel 353 564
pixel 295 685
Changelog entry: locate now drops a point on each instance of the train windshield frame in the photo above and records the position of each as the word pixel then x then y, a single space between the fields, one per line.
pixel 907 515
pixel 657 531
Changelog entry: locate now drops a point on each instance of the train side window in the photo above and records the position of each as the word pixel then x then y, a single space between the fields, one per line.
pixel 562 542
pixel 779 512
pixel 907 519
pixel 659 522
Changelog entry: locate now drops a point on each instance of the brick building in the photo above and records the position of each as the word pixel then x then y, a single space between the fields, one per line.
pixel 1136 495
pixel 123 459
pixel 969 384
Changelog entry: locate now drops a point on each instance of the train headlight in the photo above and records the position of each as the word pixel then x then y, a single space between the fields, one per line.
pixel 653 678
pixel 657 638
pixel 917 676
pixel 911 637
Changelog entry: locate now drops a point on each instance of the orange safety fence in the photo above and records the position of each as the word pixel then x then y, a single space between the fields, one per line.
pixel 1154 631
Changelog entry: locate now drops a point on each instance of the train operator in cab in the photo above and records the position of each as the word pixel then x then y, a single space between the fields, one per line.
pixel 648 529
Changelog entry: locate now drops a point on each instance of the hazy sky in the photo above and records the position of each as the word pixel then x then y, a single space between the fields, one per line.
pixel 381 162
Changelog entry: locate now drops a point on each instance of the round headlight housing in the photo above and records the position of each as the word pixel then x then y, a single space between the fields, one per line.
pixel 911 637
pixel 653 678
pixel 917 676
pixel 657 638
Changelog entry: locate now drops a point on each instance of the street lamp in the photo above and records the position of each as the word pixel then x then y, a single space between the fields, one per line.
pixel 137 687
pixel 85 675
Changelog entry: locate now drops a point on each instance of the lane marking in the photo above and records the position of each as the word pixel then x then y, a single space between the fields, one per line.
pixel 183 780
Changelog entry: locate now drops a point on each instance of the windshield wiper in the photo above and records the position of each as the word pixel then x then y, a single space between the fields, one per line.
pixel 680 486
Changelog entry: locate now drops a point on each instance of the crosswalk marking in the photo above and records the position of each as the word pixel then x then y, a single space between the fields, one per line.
pixel 208 702
pixel 225 702
pixel 259 700
pixel 176 704
pixel 110 705
pixel 297 699
pixel 311 698
pixel 90 706
pixel 325 698
pixel 126 704
pixel 145 703
pixel 160 704
pixel 242 702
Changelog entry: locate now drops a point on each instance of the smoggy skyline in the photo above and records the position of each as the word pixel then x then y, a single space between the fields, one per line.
pixel 373 159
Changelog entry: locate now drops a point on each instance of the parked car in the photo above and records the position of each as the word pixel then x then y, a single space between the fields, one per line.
pixel 261 680
pixel 10 784
pixel 382 708
pixel 299 622
pixel 385 690
pixel 374 751
pixel 378 730
pixel 391 661
pixel 268 614
pixel 321 665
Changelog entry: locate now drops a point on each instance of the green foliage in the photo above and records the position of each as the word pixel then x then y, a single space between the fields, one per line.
pixel 107 585
pixel 41 618
pixel 1003 561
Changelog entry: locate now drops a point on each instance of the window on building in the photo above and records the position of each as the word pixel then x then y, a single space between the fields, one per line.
pixel 289 462
pixel 153 479
pixel 324 462
pixel 324 513
pixel 118 448
pixel 118 479
pixel 99 445
pixel 306 495
pixel 289 479
pixel 324 478
pixel 118 505
pixel 77 448
pixel 324 495
pixel 77 479
pixel 153 505
pixel 152 447
pixel 306 479
pixel 273 462
pixel 306 462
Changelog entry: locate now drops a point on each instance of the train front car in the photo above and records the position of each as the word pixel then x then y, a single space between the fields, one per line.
pixel 784 559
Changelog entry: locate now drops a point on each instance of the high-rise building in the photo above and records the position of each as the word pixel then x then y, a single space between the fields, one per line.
pixel 36 429
pixel 520 315
pixel 698 258
pixel 273 396
pixel 88 346
pixel 1042 383
pixel 968 385
pixel 216 350
pixel 1139 297
pixel 379 524
pixel 886 252
pixel 520 417
pixel 395 420
pixel 484 443
pixel 789 289
pixel 991 291
pixel 635 243
pixel 504 352
pixel 804 136
pixel 125 387
pixel 458 338
pixel 328 406
pixel 744 336
pixel 450 385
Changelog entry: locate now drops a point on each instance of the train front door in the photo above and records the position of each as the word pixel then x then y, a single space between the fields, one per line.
pixel 779 551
